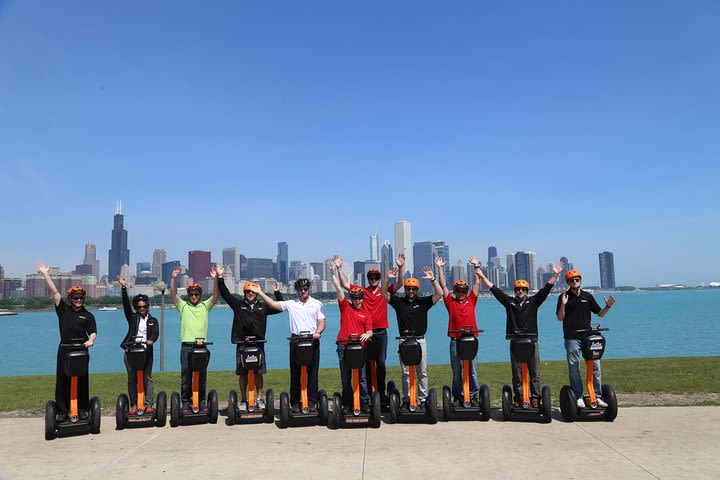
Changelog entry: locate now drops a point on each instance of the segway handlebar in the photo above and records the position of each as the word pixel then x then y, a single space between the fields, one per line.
pixel 467 330
pixel 200 342
pixel 138 341
pixel 251 340
pixel 409 334
pixel 521 333
pixel 594 327
pixel 77 342
pixel 306 335
pixel 353 338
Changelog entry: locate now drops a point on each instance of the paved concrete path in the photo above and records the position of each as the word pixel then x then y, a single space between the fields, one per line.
pixel 643 443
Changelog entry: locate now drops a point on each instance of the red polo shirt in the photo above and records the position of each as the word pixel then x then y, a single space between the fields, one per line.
pixel 376 305
pixel 462 314
pixel 353 321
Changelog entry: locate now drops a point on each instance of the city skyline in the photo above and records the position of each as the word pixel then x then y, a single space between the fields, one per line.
pixel 582 104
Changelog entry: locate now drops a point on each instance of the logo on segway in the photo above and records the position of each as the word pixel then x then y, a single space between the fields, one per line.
pixel 596 346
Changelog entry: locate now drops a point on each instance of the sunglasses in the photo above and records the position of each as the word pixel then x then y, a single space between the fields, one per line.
pixel 193 294
pixel 575 279
pixel 412 289
pixel 142 306
pixel 78 298
pixel 521 289
pixel 303 289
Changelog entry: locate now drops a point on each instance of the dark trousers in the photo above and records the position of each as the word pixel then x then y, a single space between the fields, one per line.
pixel 147 380
pixel 382 340
pixel 533 373
pixel 186 376
pixel 312 376
pixel 62 387
pixel 346 375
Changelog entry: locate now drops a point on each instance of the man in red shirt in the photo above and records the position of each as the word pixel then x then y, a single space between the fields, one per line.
pixel 377 305
pixel 354 319
pixel 461 308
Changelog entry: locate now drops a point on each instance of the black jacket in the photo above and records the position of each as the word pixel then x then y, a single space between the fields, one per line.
pixel 133 319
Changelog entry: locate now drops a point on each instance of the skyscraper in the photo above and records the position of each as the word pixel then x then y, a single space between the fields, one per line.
pixel 403 244
pixel 359 273
pixel 423 256
pixel 525 268
pixel 260 268
pixel 386 258
pixel 492 252
pixel 2 281
pixel 167 269
pixel 607 270
pixel 283 266
pixel 118 255
pixel 458 272
pixel 374 253
pixel 91 259
pixel 511 276
pixel 199 264
pixel 159 257
pixel 231 258
pixel 318 269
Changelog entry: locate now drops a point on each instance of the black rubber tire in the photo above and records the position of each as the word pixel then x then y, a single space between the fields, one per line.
pixel 322 408
pixel 506 403
pixel 609 397
pixel 269 405
pixel 338 417
pixel 446 403
pixel 390 387
pixel 174 409
pixel 95 415
pixel 50 415
pixel 121 410
pixel 284 410
pixel 161 409
pixel 568 407
pixel 376 410
pixel 213 408
pixel 546 404
pixel 394 406
pixel 232 407
pixel 431 407
pixel 484 403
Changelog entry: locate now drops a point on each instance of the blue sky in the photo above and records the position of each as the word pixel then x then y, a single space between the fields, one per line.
pixel 557 127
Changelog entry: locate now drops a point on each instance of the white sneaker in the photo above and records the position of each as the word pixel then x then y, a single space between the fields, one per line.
pixel 260 403
pixel 580 403
pixel 600 403
pixel 242 406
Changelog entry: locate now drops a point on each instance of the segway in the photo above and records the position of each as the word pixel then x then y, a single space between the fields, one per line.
pixel 467 347
pixel 593 347
pixel 303 356
pixel 523 348
pixel 354 357
pixel 78 422
pixel 197 362
pixel 135 355
pixel 251 358
pixel 410 352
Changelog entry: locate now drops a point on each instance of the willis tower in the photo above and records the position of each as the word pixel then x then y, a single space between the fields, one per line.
pixel 119 254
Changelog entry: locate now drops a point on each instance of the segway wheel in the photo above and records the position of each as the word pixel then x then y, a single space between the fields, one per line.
pixel 390 388
pixel 322 408
pixel 284 410
pixel 121 410
pixel 95 415
pixel 375 401
pixel 174 409
pixel 484 403
pixel 50 415
pixel 232 407
pixel 161 410
pixel 337 411
pixel 447 403
pixel 506 402
pixel 269 405
pixel 608 395
pixel 568 407
pixel 431 407
pixel 394 406
pixel 213 406
pixel 546 404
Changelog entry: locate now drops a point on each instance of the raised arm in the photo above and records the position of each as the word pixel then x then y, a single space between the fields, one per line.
pixel 562 301
pixel 125 299
pixel 224 292
pixel 173 285
pixel 440 264
pixel 216 290
pixel 391 274
pixel 479 273
pixel 436 285
pixel 268 301
pixel 337 261
pixel 336 283
pixel 276 291
pixel 400 277
pixel 609 302
pixel 56 297
pixel 476 277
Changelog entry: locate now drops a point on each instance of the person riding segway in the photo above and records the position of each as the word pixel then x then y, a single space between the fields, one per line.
pixel 252 360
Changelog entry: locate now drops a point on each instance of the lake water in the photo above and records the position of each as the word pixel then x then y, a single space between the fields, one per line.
pixel 642 324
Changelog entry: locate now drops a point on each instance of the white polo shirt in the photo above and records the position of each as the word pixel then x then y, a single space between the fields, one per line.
pixel 304 317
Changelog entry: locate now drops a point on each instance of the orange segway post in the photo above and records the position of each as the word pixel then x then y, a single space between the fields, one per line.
pixel 356 390
pixel 525 385
pixel 303 388
pixel 141 391
pixel 589 383
pixel 413 388
pixel 466 381
pixel 73 397
pixel 251 389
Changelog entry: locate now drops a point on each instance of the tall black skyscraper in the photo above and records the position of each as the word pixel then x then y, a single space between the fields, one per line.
pixel 119 254
pixel 607 270
pixel 492 252
pixel 283 266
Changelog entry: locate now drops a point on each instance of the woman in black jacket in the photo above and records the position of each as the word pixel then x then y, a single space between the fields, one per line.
pixel 144 328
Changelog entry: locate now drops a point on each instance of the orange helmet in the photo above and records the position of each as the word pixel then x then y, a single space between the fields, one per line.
pixel 75 290
pixel 357 292
pixel 412 282
pixel 522 284
pixel 246 287
pixel 461 285
pixel 194 287
pixel 572 274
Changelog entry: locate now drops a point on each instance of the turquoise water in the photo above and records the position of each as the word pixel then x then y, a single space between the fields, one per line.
pixel 642 324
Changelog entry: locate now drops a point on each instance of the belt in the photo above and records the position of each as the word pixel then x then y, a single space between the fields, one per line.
pixel 191 344
pixel 379 330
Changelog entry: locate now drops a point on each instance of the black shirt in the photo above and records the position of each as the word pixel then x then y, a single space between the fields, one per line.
pixel 577 313
pixel 249 319
pixel 411 315
pixel 521 315
pixel 74 324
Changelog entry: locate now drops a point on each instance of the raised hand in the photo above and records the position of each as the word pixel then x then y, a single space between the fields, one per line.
pixel 428 273
pixel 609 302
pixel 558 267
pixel 440 262
pixel 252 288
pixel 219 269
pixel 400 260
pixel 43 269
pixel 213 273
pixel 564 298
pixel 121 281
pixel 276 286
pixel 474 261
pixel 337 261
pixel 176 271
pixel 392 273
pixel 332 269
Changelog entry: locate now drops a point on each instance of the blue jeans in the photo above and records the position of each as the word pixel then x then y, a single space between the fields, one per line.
pixel 346 378
pixel 457 368
pixel 382 340
pixel 186 376
pixel 572 347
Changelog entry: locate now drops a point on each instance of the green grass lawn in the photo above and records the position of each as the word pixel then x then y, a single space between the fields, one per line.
pixel 681 375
